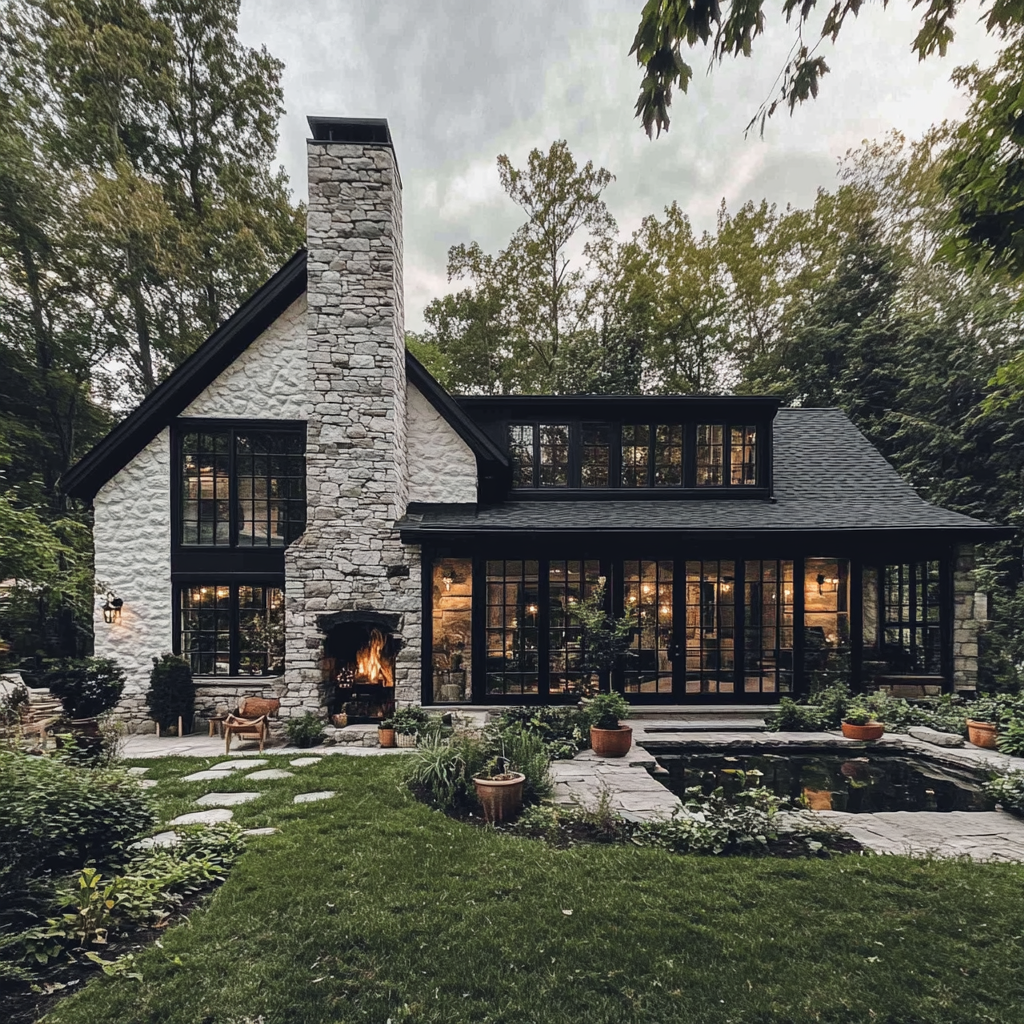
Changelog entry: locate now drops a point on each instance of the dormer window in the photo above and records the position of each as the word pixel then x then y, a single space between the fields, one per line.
pixel 554 454
pixel 726 456
pixel 636 443
pixel 520 449
pixel 668 455
pixel 595 454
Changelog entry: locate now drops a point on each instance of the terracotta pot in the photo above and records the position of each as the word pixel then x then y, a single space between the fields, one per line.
pixel 340 720
pixel 982 734
pixel 386 737
pixel 611 742
pixel 501 799
pixel 871 731
pixel 405 739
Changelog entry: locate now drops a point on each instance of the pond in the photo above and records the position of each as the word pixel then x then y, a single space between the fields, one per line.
pixel 860 785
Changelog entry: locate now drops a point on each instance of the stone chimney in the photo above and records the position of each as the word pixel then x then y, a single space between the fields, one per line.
pixel 350 558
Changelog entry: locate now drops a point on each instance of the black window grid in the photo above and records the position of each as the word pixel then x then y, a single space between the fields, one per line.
pixel 647 600
pixel 241 487
pixel 768 626
pixel 512 627
pixel 710 629
pixel 569 582
pixel 234 629
pixel 910 600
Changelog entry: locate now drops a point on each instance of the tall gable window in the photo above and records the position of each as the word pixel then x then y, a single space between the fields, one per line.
pixel 242 488
pixel 668 455
pixel 554 455
pixel 726 456
pixel 520 443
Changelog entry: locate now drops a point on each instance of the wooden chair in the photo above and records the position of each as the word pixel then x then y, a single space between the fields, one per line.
pixel 252 721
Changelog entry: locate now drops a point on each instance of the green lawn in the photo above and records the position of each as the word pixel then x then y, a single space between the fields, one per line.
pixel 371 907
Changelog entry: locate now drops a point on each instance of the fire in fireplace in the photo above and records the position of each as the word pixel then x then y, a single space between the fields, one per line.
pixel 359 665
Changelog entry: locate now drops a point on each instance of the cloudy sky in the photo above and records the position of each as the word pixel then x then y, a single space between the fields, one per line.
pixel 461 81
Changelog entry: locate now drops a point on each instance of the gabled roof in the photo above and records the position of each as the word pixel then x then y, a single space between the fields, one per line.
pixel 828 478
pixel 211 359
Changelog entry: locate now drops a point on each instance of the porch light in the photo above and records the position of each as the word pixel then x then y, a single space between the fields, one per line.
pixel 447 579
pixel 827 584
pixel 112 608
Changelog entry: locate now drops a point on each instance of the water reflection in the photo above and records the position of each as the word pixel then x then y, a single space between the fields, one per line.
pixel 832 782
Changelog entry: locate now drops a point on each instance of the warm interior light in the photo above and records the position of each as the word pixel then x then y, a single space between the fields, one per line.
pixel 646 588
pixel 447 579
pixel 531 609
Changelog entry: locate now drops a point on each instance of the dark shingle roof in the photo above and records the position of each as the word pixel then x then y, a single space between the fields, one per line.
pixel 828 476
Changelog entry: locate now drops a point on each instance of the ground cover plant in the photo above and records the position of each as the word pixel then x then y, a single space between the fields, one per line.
pixel 371 906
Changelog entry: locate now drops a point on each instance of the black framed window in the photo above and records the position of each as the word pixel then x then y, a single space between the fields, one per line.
pixel 512 623
pixel 636 446
pixel 647 602
pixel 911 617
pixel 232 629
pixel 668 455
pixel 521 438
pixel 743 456
pixel 554 455
pixel 710 627
pixel 241 487
pixel 595 454
pixel 569 582
pixel 710 455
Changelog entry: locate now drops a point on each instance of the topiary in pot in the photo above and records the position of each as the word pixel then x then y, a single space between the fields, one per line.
pixel 86 687
pixel 172 693
pixel 608 737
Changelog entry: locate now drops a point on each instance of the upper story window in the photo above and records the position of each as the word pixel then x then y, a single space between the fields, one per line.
pixel 554 454
pixel 242 488
pixel 668 455
pixel 595 455
pixel 636 444
pixel 520 444
pixel 726 456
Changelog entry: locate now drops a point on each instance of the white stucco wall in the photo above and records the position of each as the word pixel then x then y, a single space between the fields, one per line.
pixel 441 465
pixel 132 541
pixel 268 380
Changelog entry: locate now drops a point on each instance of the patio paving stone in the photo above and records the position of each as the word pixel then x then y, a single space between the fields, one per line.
pixel 213 817
pixel 226 799
pixel 205 776
pixel 308 798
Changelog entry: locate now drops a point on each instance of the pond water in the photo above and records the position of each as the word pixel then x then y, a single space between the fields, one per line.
pixel 860 785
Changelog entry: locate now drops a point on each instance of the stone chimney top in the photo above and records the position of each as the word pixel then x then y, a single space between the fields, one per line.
pixel 350 129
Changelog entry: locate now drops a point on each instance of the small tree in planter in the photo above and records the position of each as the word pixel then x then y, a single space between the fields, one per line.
pixel 86 687
pixel 604 639
pixel 172 693
pixel 608 736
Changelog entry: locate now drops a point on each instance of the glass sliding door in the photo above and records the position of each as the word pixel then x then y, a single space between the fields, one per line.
pixel 452 630
pixel 647 601
pixel 710 632
pixel 569 582
pixel 768 627
pixel 826 636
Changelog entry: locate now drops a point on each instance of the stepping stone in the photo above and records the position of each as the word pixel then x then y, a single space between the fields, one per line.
pixel 271 773
pixel 301 762
pixel 214 817
pixel 308 798
pixel 137 771
pixel 239 764
pixel 260 831
pixel 205 776
pixel 161 839
pixel 226 799
pixel 147 783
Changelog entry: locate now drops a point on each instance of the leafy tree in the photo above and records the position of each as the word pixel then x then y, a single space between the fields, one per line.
pixel 666 25
pixel 984 167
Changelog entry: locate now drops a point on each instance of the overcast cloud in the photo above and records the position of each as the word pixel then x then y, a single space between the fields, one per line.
pixel 461 81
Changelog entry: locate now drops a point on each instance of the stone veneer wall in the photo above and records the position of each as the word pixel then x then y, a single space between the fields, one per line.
pixel 441 465
pixel 350 556
pixel 965 625
pixel 132 544
pixel 269 380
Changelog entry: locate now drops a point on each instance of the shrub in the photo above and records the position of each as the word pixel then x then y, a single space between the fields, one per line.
pixel 524 751
pixel 790 716
pixel 305 731
pixel 55 816
pixel 946 713
pixel 858 713
pixel 12 704
pixel 1011 738
pixel 172 693
pixel 410 720
pixel 606 710
pixel 564 730
pixel 86 687
pixel 443 769
pixel 1009 791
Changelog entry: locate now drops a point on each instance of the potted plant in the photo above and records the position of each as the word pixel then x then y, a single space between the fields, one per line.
pixel 608 736
pixel 407 723
pixel 86 687
pixel 386 732
pixel 500 790
pixel 984 715
pixel 859 723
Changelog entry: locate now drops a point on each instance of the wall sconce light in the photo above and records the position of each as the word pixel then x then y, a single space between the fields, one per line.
pixel 112 608
pixel 827 584
pixel 448 579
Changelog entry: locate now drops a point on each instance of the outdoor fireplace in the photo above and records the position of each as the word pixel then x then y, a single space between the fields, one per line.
pixel 359 651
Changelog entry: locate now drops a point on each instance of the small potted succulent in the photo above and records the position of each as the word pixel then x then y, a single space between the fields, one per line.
pixel 407 724
pixel 500 790
pixel 386 732
pixel 859 723
pixel 983 719
pixel 608 736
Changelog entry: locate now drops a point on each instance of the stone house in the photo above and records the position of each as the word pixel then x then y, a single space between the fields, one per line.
pixel 301 510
